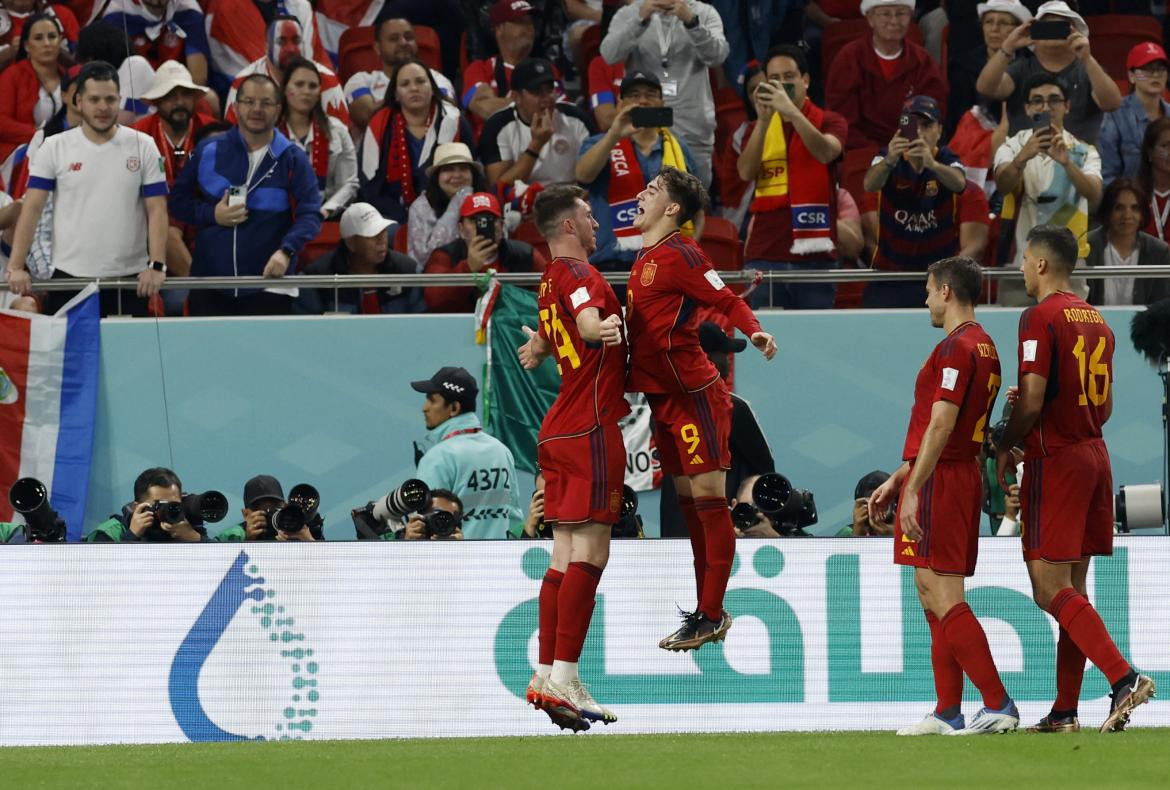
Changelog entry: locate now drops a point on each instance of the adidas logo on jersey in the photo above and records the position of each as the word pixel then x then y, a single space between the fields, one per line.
pixel 908 552
pixel 696 460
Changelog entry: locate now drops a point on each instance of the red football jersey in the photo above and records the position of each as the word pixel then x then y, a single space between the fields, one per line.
pixel 964 370
pixel 592 374
pixel 667 282
pixel 1067 341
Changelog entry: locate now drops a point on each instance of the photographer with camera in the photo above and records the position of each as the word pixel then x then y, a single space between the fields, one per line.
pixel 767 506
pixel 269 516
pixel 481 245
pixel 157 514
pixel 862 525
pixel 442 521
pixel 458 456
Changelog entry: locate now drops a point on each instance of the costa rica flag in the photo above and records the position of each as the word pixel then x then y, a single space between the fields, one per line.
pixel 48 403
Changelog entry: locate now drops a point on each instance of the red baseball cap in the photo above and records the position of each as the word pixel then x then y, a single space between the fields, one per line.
pixel 1145 53
pixel 478 203
pixel 510 11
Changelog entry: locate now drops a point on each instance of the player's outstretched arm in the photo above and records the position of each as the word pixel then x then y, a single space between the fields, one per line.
pixel 765 343
pixel 533 352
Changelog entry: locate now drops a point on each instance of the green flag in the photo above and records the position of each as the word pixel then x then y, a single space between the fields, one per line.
pixel 515 399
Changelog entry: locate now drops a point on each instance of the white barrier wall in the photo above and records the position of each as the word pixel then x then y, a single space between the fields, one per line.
pixel 138 643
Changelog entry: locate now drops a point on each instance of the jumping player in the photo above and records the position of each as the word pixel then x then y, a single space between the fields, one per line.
pixel 579 449
pixel 1066 498
pixel 690 403
pixel 941 485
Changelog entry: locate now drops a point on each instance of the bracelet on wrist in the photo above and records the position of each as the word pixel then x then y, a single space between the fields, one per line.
pixel 533 154
pixel 1006 54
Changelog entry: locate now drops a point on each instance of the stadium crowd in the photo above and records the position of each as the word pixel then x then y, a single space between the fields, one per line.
pixel 279 137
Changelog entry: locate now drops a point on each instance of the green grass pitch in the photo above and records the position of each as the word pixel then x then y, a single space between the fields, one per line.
pixel 1138 758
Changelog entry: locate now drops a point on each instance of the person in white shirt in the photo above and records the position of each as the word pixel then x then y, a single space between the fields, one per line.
pixel 1060 176
pixel 395 43
pixel 110 189
pixel 322 137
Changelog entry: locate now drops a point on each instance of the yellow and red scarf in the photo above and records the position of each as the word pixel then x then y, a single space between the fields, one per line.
pixel 626 181
pixel 790 176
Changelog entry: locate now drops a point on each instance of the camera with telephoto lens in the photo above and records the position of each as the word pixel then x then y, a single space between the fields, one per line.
pixel 789 509
pixel 629 523
pixel 210 507
pixel 29 497
pixel 308 499
pixel 377 518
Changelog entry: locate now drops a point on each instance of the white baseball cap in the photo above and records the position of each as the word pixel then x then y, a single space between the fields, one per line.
pixel 1013 7
pixel 169 76
pixel 1060 8
pixel 867 5
pixel 362 219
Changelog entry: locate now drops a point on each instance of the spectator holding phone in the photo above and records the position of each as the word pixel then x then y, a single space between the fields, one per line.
pixel 922 210
pixel 1120 143
pixel 481 245
pixel 790 155
pixel 1057 176
pixel 1059 39
pixel 617 165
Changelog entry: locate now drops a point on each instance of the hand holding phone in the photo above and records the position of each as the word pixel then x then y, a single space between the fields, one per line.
pixel 1051 30
pixel 237 196
pixel 908 127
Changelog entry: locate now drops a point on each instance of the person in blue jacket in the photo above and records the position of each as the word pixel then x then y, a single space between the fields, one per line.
pixel 254 199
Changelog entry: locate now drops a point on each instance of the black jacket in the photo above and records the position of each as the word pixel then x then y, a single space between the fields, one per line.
pixel 349 300
pixel 1151 252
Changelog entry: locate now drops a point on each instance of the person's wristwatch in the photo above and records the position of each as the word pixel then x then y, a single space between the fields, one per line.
pixel 289 251
pixel 694 23
pixel 158 266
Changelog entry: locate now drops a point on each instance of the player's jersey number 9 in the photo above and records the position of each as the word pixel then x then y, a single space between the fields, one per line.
pixel 561 339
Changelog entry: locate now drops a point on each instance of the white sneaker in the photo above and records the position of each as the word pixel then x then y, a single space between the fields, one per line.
pixel 588 707
pixel 933 724
pixel 559 706
pixel 992 722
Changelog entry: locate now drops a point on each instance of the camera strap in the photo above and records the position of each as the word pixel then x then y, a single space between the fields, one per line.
pixel 460 433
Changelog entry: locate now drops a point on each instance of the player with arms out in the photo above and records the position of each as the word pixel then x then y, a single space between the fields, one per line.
pixel 941 486
pixel 690 404
pixel 579 448
pixel 1066 498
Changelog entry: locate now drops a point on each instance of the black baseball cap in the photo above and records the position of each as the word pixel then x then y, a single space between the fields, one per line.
pixel 868 484
pixel 531 73
pixel 713 340
pixel 640 78
pixel 925 106
pixel 454 383
pixel 262 487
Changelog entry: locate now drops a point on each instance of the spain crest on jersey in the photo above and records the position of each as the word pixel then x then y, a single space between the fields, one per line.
pixel 648 271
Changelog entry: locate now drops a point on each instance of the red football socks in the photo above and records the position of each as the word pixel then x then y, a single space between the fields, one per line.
pixel 547 635
pixel 698 544
pixel 719 536
pixel 575 609
pixel 948 675
pixel 1070 671
pixel 969 645
pixel 1077 616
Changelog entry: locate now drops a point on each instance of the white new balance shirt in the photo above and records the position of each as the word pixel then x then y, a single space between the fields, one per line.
pixel 99 218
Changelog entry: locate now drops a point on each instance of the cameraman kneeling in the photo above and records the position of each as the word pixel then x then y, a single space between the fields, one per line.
pixel 263 504
pixel 429 526
pixel 155 516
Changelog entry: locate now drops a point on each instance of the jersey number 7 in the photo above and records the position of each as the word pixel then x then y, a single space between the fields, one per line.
pixel 561 340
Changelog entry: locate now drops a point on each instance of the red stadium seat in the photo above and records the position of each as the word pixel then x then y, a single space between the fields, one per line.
pixel 590 48
pixel 841 33
pixel 401 239
pixel 856 162
pixel 429 51
pixel 527 232
pixel 720 240
pixel 325 242
pixel 355 52
pixel 1114 35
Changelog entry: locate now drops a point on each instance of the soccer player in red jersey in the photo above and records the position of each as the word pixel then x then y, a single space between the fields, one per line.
pixel 579 448
pixel 1066 497
pixel 941 484
pixel 690 403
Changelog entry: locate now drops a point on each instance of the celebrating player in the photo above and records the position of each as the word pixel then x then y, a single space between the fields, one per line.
pixel 580 447
pixel 689 401
pixel 1066 501
pixel 941 484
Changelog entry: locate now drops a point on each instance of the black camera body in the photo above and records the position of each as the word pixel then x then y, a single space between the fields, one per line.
pixel 29 497
pixel 789 509
pixel 441 524
pixel 629 523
